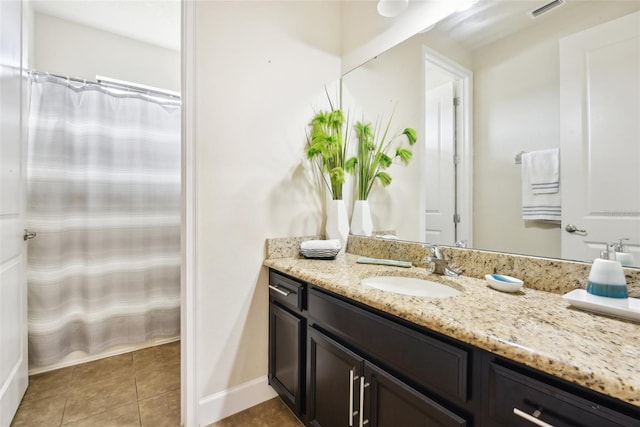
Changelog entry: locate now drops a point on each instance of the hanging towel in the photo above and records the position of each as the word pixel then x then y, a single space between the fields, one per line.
pixel 545 171
pixel 537 207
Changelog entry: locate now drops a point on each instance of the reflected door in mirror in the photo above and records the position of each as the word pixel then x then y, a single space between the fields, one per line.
pixel 439 164
pixel 600 137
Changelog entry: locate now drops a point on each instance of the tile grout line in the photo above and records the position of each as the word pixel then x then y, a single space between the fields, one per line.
pixel 135 380
pixel 66 395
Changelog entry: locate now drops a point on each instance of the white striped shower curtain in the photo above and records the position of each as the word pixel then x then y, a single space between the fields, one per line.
pixel 103 179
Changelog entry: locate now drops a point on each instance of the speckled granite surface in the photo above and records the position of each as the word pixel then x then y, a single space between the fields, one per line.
pixel 533 327
pixel 286 247
pixel 543 274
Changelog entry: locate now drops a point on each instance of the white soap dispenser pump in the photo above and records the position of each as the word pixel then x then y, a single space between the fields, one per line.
pixel 606 278
pixel 622 256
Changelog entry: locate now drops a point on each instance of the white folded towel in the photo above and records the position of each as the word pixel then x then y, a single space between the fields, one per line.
pixel 320 245
pixel 541 206
pixel 544 166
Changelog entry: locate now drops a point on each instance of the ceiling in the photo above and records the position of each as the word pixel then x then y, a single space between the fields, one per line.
pixel 155 22
pixel 491 20
pixel 158 21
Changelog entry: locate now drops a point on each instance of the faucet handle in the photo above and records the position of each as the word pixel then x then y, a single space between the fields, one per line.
pixel 435 251
pixel 461 244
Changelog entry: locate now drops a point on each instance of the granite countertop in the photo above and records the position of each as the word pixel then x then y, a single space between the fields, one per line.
pixel 535 328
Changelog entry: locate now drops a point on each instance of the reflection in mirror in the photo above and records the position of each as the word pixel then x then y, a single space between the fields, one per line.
pixel 560 80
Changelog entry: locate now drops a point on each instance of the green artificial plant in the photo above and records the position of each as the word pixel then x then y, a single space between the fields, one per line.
pixel 327 145
pixel 374 155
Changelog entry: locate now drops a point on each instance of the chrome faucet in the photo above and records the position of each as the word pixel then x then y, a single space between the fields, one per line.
pixel 440 265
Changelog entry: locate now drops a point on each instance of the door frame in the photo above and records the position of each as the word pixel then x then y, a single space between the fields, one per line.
pixel 463 79
pixel 189 224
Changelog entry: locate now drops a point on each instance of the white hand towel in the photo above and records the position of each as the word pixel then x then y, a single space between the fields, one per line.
pixel 537 207
pixel 545 171
pixel 320 244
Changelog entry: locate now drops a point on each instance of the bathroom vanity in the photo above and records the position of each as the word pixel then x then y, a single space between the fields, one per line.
pixel 344 354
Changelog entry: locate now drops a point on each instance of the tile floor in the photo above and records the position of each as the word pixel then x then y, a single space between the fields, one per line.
pixel 134 389
pixel 272 413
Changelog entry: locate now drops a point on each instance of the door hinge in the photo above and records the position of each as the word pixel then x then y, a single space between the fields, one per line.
pixel 456 101
pixel 456 159
pixel 456 218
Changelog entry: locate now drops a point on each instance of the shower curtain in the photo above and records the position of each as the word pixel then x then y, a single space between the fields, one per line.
pixel 103 178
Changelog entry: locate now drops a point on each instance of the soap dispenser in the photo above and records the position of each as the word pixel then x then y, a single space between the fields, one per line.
pixel 622 256
pixel 606 278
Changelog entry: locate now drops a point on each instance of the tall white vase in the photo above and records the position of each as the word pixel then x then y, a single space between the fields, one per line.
pixel 337 226
pixel 361 223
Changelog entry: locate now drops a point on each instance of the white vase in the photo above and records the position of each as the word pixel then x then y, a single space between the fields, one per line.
pixel 361 224
pixel 337 226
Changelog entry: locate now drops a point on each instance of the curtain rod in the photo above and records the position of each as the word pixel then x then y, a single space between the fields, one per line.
pixel 135 86
pixel 114 84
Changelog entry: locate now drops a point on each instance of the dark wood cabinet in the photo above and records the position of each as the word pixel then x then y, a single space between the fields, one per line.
pixel 287 340
pixel 286 359
pixel 431 363
pixel 390 402
pixel 344 389
pixel 515 398
pixel 339 363
pixel 333 383
pixel 348 384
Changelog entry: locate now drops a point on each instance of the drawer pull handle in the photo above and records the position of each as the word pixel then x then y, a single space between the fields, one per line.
pixel 351 397
pixel 362 386
pixel 280 291
pixel 531 418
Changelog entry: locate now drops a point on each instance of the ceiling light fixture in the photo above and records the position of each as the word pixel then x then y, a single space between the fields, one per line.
pixel 392 8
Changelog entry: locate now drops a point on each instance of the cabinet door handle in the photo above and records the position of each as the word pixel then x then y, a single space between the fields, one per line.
pixel 280 291
pixel 351 374
pixel 362 387
pixel 531 418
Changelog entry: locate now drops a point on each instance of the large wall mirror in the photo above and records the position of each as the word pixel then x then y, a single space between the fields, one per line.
pixel 519 82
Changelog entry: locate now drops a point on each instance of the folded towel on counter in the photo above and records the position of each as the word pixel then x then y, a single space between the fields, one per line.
pixel 537 206
pixel 544 167
pixel 333 244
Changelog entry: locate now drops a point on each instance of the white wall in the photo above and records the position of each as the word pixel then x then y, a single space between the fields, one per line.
pixel 70 49
pixel 261 67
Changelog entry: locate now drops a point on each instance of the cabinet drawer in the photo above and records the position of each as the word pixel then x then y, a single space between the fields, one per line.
pixel 286 291
pixel 428 362
pixel 512 392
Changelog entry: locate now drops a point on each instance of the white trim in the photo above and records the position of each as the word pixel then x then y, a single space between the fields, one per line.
pixel 189 226
pixel 231 401
pixel 464 78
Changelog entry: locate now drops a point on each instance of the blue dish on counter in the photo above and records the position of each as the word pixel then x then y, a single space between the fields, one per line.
pixel 504 283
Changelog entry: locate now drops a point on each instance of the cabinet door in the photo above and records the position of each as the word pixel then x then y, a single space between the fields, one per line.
pixel 391 403
pixel 332 386
pixel 286 356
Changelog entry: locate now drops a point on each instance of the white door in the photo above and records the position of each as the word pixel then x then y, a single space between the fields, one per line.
pixel 439 164
pixel 600 137
pixel 13 290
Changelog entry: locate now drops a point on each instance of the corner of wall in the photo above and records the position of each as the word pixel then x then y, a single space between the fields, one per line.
pixel 225 403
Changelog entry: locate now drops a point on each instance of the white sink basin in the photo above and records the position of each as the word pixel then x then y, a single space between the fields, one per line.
pixel 410 286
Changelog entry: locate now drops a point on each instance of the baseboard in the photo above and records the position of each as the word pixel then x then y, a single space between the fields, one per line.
pixel 78 357
pixel 236 399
